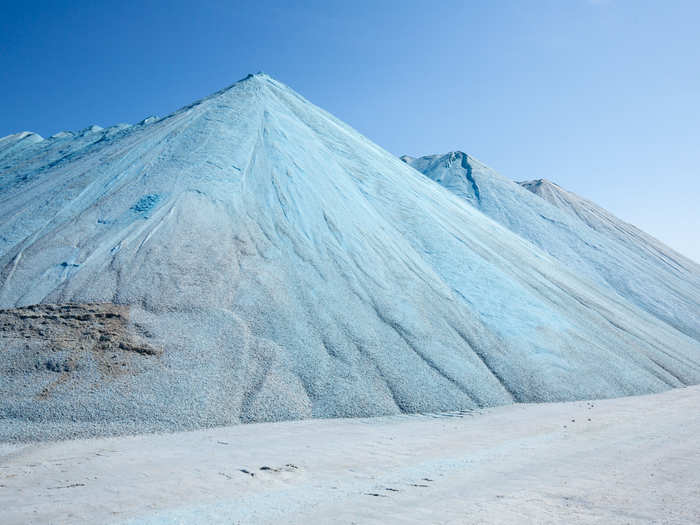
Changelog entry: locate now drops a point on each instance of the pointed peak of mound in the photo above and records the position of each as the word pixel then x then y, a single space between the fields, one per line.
pixel 251 80
pixel 18 142
pixel 22 135
pixel 543 186
pixel 90 129
pixel 556 195
pixel 252 84
pixel 250 90
pixel 449 159
pixel 457 154
pixel 450 155
pixel 261 76
pixel 148 120
pixel 536 183
pixel 62 135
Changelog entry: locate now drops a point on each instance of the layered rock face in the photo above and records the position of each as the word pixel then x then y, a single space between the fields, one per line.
pixel 271 263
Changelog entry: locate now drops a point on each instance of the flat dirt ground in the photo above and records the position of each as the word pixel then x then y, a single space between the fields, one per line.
pixel 629 460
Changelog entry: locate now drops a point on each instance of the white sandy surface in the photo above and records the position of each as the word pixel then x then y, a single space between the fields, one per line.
pixel 629 460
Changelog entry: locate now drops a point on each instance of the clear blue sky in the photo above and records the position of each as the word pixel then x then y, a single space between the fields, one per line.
pixel 601 96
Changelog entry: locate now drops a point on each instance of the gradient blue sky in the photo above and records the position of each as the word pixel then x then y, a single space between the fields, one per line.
pixel 602 97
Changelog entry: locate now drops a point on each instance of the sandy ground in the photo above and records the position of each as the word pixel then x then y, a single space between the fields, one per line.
pixel 630 460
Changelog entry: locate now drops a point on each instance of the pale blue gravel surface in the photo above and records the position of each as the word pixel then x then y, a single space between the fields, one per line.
pixel 290 268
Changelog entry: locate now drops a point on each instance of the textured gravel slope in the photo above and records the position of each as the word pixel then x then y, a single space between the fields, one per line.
pixel 287 267
pixel 581 235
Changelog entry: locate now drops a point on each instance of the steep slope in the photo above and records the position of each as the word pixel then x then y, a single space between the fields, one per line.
pixel 616 229
pixel 280 265
pixel 581 235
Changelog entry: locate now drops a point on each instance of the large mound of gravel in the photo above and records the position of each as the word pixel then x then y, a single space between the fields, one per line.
pixel 279 265
pixel 581 235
